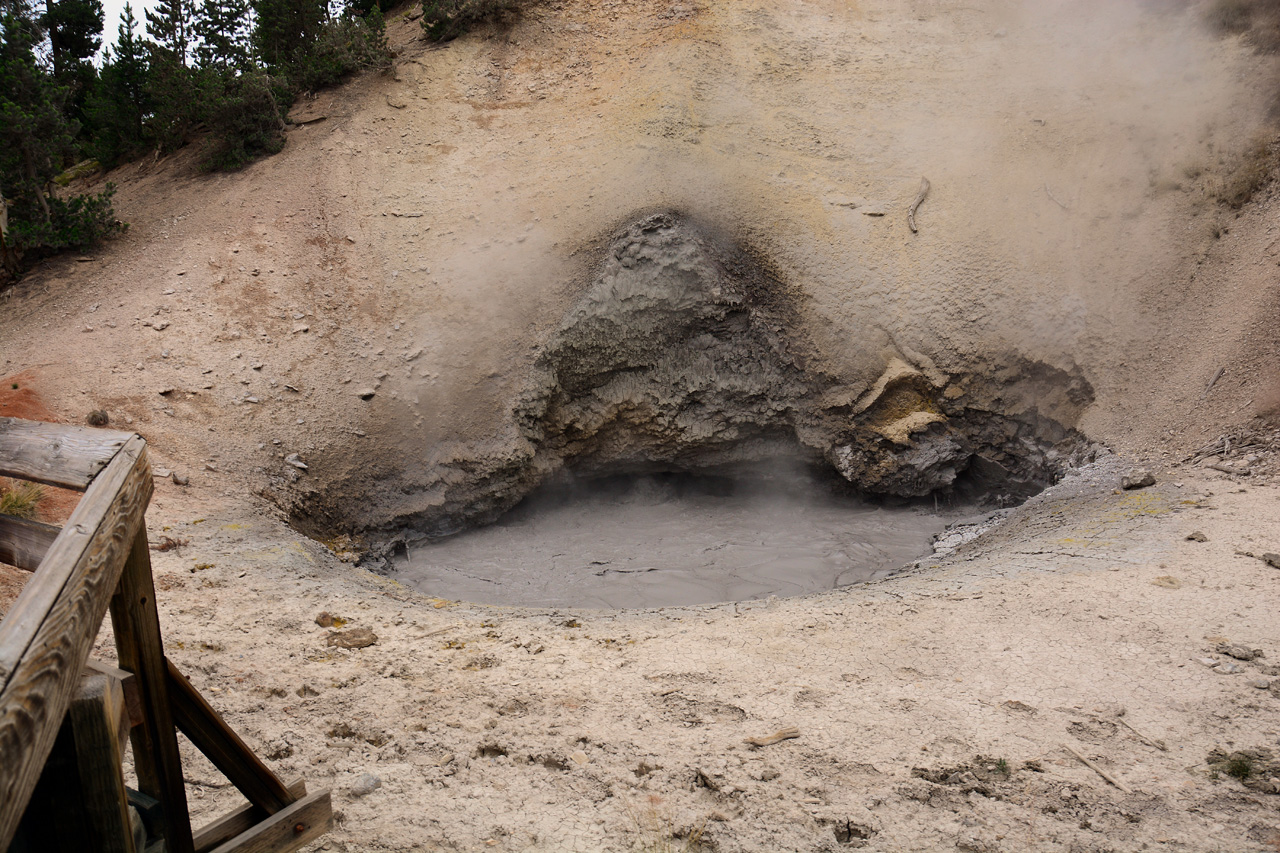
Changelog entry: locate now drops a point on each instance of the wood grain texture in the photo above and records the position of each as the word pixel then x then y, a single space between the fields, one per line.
pixel 287 830
pixel 238 821
pixel 56 454
pixel 210 734
pixel 23 543
pixel 140 650
pixel 102 526
pixel 46 636
pixel 96 715
pixel 132 701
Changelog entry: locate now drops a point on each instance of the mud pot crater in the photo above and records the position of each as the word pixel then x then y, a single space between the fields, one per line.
pixel 686 354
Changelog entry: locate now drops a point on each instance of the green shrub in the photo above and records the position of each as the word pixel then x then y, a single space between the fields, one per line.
pixel 244 122
pixel 443 20
pixel 345 45
pixel 76 222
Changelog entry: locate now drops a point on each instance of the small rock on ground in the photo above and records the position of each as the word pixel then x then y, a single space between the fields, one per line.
pixel 356 638
pixel 1139 478
pixel 365 785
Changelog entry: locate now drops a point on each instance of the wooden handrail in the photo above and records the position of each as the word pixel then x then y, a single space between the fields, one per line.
pixel 46 636
pixel 23 543
pixel 56 454
pixel 100 559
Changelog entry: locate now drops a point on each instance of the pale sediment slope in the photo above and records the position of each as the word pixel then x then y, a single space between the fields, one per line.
pixel 433 240
pixel 439 224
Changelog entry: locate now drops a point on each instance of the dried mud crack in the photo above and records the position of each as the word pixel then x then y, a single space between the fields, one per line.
pixel 687 353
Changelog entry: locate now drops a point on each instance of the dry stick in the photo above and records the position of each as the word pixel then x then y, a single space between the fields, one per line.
pixel 911 211
pixel 1096 769
pixel 1213 381
pixel 1158 744
pixel 1054 198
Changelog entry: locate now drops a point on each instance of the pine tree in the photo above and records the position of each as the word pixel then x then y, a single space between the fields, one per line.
pixel 222 27
pixel 36 143
pixel 75 34
pixel 284 30
pixel 119 101
pixel 173 90
pixel 169 24
pixel 35 135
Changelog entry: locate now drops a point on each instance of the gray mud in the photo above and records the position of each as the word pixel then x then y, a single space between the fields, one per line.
pixel 666 541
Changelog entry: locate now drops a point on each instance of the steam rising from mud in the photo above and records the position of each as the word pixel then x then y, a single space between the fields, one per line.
pixel 671 540
pixel 782 307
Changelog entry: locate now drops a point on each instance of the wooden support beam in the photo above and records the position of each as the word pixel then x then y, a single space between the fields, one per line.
pixel 286 830
pixel 96 717
pixel 132 701
pixel 240 820
pixel 102 526
pixel 210 734
pixel 46 636
pixel 141 651
pixel 23 543
pixel 56 454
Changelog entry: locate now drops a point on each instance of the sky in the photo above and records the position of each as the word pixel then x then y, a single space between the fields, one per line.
pixel 111 18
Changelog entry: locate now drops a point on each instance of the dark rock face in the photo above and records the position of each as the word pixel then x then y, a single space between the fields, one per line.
pixel 687 354
pixel 681 356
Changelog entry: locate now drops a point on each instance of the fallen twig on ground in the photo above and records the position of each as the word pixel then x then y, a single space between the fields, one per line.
pixel 1096 769
pixel 1158 744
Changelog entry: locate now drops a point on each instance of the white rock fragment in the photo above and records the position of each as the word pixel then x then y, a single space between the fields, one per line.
pixel 365 785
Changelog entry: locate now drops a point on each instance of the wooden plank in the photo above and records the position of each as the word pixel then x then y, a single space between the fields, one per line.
pixel 46 636
pixel 56 454
pixel 23 543
pixel 132 701
pixel 95 715
pixel 241 820
pixel 111 509
pixel 141 651
pixel 286 830
pixel 210 734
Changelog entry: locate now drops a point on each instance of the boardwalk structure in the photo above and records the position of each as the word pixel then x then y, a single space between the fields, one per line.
pixel 65 719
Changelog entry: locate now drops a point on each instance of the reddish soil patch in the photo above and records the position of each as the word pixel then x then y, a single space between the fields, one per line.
pixel 20 398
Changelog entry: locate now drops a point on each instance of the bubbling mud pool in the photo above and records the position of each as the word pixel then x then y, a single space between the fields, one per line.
pixel 671 540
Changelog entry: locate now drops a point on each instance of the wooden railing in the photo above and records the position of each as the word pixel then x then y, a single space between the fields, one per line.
pixel 60 723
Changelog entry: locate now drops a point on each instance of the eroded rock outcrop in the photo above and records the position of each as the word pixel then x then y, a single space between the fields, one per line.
pixel 687 353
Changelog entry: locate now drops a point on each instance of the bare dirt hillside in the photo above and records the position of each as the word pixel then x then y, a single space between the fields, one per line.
pixel 376 302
